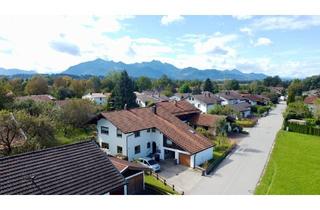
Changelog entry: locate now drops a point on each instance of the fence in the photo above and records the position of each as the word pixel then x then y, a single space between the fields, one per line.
pixel 305 129
pixel 164 181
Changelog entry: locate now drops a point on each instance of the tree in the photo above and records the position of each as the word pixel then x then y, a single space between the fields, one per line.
pixel 317 110
pixel 143 83
pixel 272 81
pixel 297 110
pixel 39 129
pixel 77 112
pixel 109 82
pixel 207 86
pixel 185 88
pixel 215 87
pixel 231 85
pixel 37 85
pixel 294 89
pixel 18 86
pixel 9 131
pixel 78 87
pixel 5 97
pixel 63 93
pixel 222 110
pixel 95 84
pixel 274 98
pixel 123 94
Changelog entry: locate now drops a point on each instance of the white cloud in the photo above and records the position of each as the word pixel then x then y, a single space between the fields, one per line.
pixel 286 22
pixel 263 41
pixel 242 17
pixel 168 19
pixel 247 31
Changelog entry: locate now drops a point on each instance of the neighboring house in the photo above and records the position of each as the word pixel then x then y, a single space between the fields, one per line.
pixel 179 96
pixel 315 92
pixel 230 97
pixel 204 101
pixel 132 172
pixel 75 169
pixel 310 102
pixel 98 98
pixel 37 98
pixel 254 99
pixel 153 131
pixel 278 90
pixel 61 103
pixel 210 121
pixel 244 108
pixel 146 98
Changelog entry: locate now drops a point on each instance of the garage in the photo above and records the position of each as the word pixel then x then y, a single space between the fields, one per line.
pixel 184 159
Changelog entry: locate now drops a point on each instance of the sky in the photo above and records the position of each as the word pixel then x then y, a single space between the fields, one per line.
pixel 288 46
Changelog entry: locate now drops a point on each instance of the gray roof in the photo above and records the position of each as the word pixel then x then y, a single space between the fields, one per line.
pixel 75 169
pixel 208 98
pixel 230 95
pixel 241 107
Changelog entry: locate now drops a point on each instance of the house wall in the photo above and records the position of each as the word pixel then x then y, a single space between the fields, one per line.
pixel 140 102
pixel 97 100
pixel 201 157
pixel 198 104
pixel 246 113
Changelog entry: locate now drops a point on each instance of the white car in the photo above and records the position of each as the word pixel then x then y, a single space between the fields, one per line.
pixel 150 163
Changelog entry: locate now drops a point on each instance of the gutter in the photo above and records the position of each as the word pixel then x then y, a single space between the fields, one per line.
pixel 127 143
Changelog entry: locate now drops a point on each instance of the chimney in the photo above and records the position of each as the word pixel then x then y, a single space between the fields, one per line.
pixel 154 109
pixel 125 107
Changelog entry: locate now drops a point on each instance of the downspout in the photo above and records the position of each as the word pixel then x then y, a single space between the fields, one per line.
pixel 127 144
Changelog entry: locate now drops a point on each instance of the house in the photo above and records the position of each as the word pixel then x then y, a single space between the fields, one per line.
pixel 315 92
pixel 254 99
pixel 146 98
pixel 98 98
pixel 153 131
pixel 244 108
pixel 74 169
pixel 204 101
pixel 37 98
pixel 209 122
pixel 230 97
pixel 310 101
pixel 132 172
pixel 179 96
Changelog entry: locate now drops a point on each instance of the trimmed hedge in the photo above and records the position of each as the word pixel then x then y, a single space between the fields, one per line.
pixel 305 129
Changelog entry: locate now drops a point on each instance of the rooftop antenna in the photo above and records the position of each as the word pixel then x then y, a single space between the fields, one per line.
pixel 32 179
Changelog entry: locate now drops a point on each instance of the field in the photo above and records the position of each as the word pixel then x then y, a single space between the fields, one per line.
pixel 293 168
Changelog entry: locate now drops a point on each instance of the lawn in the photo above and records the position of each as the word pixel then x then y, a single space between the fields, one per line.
pixel 157 184
pixel 77 135
pixel 294 166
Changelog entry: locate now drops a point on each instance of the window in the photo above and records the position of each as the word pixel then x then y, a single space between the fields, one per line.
pixel 153 130
pixel 137 149
pixel 148 130
pixel 198 105
pixel 169 142
pixel 137 134
pixel 148 145
pixel 104 130
pixel 119 133
pixel 105 145
pixel 119 150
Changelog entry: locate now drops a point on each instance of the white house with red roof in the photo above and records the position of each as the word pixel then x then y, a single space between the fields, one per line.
pixel 157 131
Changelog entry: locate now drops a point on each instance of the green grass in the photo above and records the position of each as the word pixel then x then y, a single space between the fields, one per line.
pixel 151 180
pixel 77 135
pixel 294 166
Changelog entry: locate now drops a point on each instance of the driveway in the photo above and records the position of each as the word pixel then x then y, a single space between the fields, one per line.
pixel 239 173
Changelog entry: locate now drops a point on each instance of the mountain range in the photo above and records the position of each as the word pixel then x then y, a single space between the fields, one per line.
pixel 152 69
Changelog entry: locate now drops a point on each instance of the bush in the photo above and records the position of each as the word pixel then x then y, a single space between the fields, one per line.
pixel 246 123
pixel 305 129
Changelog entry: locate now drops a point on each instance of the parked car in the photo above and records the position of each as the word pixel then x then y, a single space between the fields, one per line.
pixel 150 163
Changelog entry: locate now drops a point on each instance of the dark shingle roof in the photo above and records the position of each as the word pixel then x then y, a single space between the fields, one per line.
pixel 76 169
pixel 208 98
pixel 240 107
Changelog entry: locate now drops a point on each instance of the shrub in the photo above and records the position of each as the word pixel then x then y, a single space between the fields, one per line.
pixel 246 123
pixel 305 129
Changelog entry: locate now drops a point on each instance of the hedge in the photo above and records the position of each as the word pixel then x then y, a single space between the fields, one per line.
pixel 305 129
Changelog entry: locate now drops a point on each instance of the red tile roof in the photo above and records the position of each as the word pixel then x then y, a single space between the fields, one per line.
pixel 42 98
pixel 122 165
pixel 208 120
pixel 178 107
pixel 256 98
pixel 143 118
pixel 310 99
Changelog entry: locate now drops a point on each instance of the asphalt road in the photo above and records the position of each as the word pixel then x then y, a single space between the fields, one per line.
pixel 239 173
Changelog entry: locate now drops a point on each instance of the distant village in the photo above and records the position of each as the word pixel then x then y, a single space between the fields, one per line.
pixel 124 130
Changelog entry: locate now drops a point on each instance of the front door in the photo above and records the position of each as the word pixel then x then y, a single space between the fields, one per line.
pixel 154 147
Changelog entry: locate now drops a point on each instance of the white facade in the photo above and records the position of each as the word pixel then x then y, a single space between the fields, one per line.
pixel 229 101
pixel 149 140
pixel 200 105
pixel 97 98
pixel 201 157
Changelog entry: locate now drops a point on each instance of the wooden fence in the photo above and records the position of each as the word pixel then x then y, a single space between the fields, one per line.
pixel 164 181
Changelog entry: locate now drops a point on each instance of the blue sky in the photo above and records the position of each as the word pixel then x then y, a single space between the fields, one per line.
pixel 275 45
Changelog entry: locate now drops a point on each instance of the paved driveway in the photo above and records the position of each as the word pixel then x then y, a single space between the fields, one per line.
pixel 239 173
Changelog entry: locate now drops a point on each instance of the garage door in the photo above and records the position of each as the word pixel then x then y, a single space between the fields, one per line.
pixel 184 159
pixel 135 184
